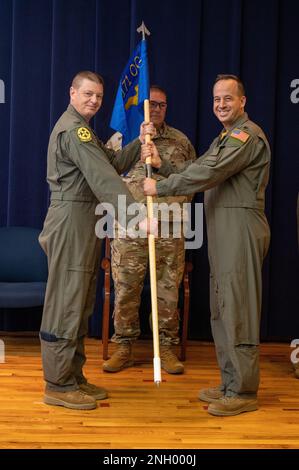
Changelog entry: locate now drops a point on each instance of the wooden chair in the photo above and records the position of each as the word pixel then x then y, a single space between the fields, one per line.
pixel 106 265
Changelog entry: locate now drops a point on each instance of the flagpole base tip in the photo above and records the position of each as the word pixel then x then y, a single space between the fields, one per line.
pixel 157 370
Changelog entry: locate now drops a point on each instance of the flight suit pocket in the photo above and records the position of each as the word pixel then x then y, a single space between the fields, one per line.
pixel 212 157
pixel 216 298
pixel 76 287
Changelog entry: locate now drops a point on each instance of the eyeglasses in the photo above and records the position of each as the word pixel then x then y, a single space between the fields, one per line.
pixel 155 104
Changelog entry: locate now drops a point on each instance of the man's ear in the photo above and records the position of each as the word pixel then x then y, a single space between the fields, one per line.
pixel 243 101
pixel 72 91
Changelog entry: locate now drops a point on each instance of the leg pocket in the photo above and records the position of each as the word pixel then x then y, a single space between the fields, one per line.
pixel 216 298
pixel 76 288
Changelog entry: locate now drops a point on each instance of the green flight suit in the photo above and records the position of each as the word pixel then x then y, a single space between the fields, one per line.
pixel 81 173
pixel 234 173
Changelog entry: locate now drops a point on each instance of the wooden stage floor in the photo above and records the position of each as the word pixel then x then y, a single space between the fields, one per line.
pixel 137 414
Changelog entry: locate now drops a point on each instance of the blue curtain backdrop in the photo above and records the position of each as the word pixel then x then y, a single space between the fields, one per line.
pixel 44 43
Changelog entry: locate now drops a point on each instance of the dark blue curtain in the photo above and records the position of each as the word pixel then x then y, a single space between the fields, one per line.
pixel 44 43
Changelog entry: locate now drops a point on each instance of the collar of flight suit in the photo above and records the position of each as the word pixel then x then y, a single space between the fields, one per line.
pixel 71 110
pixel 82 122
pixel 225 133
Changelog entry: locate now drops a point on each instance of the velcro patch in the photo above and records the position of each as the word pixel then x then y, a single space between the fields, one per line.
pixel 240 135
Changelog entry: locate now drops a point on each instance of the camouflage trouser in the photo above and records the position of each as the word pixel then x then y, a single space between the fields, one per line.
pixel 129 267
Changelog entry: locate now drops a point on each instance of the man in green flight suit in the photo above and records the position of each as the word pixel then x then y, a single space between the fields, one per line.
pixel 81 173
pixel 234 173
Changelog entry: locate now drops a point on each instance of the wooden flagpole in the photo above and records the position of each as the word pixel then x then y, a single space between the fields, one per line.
pixel 151 247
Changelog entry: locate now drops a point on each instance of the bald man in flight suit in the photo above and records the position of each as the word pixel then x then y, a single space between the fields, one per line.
pixel 234 173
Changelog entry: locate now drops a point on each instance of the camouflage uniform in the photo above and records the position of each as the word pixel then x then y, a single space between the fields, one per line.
pixel 234 173
pixel 130 257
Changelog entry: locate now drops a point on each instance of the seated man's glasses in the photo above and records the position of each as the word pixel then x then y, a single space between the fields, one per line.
pixel 155 104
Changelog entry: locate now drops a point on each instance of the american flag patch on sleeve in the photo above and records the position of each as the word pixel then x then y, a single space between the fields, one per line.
pixel 240 135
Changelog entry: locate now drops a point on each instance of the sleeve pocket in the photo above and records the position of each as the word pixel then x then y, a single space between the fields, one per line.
pixel 212 157
pixel 214 152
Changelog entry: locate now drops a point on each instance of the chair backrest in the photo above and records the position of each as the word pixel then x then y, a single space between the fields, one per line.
pixel 21 257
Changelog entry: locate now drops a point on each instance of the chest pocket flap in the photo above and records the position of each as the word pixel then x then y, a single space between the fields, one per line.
pixel 212 157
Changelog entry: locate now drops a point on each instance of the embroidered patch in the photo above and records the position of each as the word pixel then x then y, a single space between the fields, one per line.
pixel 240 135
pixel 84 134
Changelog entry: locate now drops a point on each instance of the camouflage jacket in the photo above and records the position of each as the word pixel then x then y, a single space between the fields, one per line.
pixel 174 147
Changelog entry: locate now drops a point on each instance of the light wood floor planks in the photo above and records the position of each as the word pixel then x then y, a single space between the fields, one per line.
pixel 137 414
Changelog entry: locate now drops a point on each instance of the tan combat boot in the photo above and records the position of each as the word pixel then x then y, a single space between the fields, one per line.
pixel 98 393
pixel 75 399
pixel 231 406
pixel 120 359
pixel 211 395
pixel 169 361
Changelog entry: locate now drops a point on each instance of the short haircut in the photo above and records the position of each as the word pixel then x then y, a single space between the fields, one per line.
pixel 158 88
pixel 92 76
pixel 240 84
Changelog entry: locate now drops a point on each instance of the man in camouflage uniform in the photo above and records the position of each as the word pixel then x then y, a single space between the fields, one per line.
pixel 130 257
pixel 81 173
pixel 234 173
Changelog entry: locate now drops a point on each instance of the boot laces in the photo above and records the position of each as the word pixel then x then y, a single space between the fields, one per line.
pixel 226 400
pixel 166 353
pixel 82 393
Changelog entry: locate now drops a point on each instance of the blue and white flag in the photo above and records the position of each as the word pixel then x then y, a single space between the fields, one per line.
pixel 133 89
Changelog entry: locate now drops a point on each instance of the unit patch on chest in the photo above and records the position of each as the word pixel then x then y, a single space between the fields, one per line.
pixel 84 134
